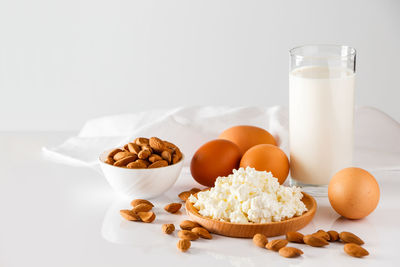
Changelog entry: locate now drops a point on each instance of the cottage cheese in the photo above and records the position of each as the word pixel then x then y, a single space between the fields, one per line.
pixel 249 196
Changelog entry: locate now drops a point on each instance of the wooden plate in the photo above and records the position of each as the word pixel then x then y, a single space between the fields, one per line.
pixel 249 230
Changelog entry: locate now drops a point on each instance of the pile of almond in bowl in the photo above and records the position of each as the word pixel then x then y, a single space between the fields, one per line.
pixel 191 231
pixel 145 153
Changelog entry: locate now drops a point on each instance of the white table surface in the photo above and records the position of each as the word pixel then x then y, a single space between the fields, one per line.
pixel 58 215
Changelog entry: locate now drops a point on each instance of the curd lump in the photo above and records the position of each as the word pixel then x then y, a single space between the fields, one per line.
pixel 249 196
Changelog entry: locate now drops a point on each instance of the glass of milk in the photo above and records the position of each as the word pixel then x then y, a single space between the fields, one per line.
pixel 321 111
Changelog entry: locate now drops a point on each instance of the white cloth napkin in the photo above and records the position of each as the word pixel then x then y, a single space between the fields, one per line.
pixel 377 136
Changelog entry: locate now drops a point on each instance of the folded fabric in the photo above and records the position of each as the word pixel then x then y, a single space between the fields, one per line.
pixel 377 136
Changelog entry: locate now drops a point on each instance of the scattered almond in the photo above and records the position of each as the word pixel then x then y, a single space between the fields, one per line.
pixel 348 237
pixel 186 234
pixel 136 202
pixel 129 215
pixel 276 244
pixel 294 237
pixel 355 250
pixel 260 240
pixel 142 207
pixel 158 164
pixel 333 236
pixel 147 216
pixel 183 245
pixel 202 232
pixel 315 241
pixel 168 228
pixel 184 195
pixel 173 207
pixel 290 252
pixel 323 234
pixel 188 225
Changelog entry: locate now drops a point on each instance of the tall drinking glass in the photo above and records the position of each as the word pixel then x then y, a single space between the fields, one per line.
pixel 321 111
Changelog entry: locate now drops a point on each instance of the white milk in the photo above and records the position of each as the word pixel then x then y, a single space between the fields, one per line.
pixel 321 104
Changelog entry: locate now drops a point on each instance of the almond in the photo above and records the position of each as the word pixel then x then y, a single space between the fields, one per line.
pixel 294 237
pixel 129 215
pixel 142 207
pixel 136 202
pixel 141 141
pixel 188 225
pixel 145 162
pixel 290 252
pixel 109 160
pixel 183 245
pixel 123 154
pixel 348 237
pixel 136 165
pixel 146 216
pixel 184 195
pixel 154 157
pixel 260 240
pixel 156 144
pixel 323 234
pixel 123 162
pixel 169 144
pixel 134 148
pixel 113 152
pixel 144 154
pixel 202 232
pixel 158 164
pixel 355 250
pixel 186 234
pixel 166 155
pixel 333 236
pixel 315 241
pixel 173 207
pixel 276 244
pixel 194 190
pixel 176 157
pixel 168 228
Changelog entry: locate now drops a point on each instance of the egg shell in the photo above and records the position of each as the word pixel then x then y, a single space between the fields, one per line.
pixel 245 136
pixel 268 158
pixel 353 193
pixel 215 158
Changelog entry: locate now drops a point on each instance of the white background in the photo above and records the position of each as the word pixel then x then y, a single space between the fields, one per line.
pixel 64 62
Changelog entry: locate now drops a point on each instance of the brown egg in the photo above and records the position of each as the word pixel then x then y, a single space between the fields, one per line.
pixel 246 137
pixel 268 158
pixel 353 193
pixel 215 158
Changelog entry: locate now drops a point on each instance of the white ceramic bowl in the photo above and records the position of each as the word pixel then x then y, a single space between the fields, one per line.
pixel 140 183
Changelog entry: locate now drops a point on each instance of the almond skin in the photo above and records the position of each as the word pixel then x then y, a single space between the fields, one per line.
pixel 129 215
pixel 173 207
pixel 166 156
pixel 158 164
pixel 294 237
pixel 188 225
pixel 202 232
pixel 142 207
pixel 260 240
pixel 315 241
pixel 123 154
pixel 113 152
pixel 323 234
pixel 184 195
pixel 136 165
pixel 134 148
pixel 147 216
pixel 168 228
pixel 110 161
pixel 156 144
pixel 290 252
pixel 141 141
pixel 348 237
pixel 124 161
pixel 144 154
pixel 276 244
pixel 154 157
pixel 334 236
pixel 355 250
pixel 136 202
pixel 183 245
pixel 186 234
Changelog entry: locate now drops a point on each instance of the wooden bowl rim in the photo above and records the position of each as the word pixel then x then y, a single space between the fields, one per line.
pixel 191 209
